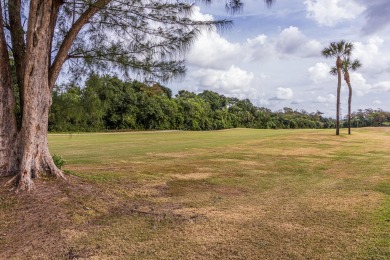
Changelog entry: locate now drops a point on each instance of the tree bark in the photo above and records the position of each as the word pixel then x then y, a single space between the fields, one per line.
pixel 8 128
pixel 33 147
pixel 18 44
pixel 34 157
pixel 339 64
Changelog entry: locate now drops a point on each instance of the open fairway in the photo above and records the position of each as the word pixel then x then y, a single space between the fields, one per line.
pixel 232 194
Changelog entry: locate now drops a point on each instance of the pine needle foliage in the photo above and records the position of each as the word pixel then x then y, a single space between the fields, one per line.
pixel 136 37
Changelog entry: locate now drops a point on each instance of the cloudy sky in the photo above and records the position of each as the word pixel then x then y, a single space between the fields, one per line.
pixel 272 56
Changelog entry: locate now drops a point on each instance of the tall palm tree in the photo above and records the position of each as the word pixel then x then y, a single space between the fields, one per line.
pixel 340 50
pixel 346 67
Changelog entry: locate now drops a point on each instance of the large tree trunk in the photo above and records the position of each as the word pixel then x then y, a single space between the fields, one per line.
pixel 32 155
pixel 339 64
pixel 33 144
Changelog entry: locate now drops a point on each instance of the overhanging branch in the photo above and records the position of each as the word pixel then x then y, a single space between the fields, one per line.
pixel 70 37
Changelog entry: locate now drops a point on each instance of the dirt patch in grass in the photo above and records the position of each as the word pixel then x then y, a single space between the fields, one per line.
pixel 35 223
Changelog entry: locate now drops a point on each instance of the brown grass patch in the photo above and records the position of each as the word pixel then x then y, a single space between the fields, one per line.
pixel 193 176
pixel 171 155
pixel 351 202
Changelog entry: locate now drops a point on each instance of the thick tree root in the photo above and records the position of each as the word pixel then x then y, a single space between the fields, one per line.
pixel 24 180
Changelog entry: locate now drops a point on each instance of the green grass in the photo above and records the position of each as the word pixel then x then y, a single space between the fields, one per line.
pixel 234 194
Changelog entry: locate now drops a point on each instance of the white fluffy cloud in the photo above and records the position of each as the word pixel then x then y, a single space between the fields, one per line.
pixel 331 12
pixel 330 98
pixel 319 72
pixel 284 94
pixel 211 49
pixel 382 86
pixel 260 47
pixel 291 41
pixel 359 84
pixel 197 15
pixel 232 81
pixel 312 48
pixel 361 87
pixel 371 55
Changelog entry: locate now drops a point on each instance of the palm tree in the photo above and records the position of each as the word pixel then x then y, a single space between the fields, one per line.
pixel 340 50
pixel 348 65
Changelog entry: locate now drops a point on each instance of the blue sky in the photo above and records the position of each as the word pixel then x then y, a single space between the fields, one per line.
pixel 272 56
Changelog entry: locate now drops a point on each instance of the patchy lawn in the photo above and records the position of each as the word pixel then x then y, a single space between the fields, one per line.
pixel 233 194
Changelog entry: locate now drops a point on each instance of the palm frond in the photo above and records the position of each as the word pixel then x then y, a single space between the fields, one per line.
pixel 340 47
pixel 348 48
pixel 327 52
pixel 350 65
pixel 333 71
pixel 346 65
pixel 333 46
pixel 355 65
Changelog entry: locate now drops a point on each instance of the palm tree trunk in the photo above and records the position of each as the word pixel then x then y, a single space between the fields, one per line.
pixel 339 64
pixel 347 80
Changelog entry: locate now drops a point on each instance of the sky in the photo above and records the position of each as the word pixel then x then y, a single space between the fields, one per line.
pixel 272 56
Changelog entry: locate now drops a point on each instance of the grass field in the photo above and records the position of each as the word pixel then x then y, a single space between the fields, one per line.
pixel 233 194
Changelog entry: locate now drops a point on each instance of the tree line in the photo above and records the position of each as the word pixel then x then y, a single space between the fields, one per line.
pixel 369 117
pixel 108 103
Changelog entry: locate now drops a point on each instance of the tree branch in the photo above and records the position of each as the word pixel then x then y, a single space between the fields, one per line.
pixel 53 22
pixel 70 37
pixel 4 57
pixel 17 32
pixel 32 18
pixel 18 44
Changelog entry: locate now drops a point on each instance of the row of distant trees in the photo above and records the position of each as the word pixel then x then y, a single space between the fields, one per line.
pixel 369 117
pixel 108 103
